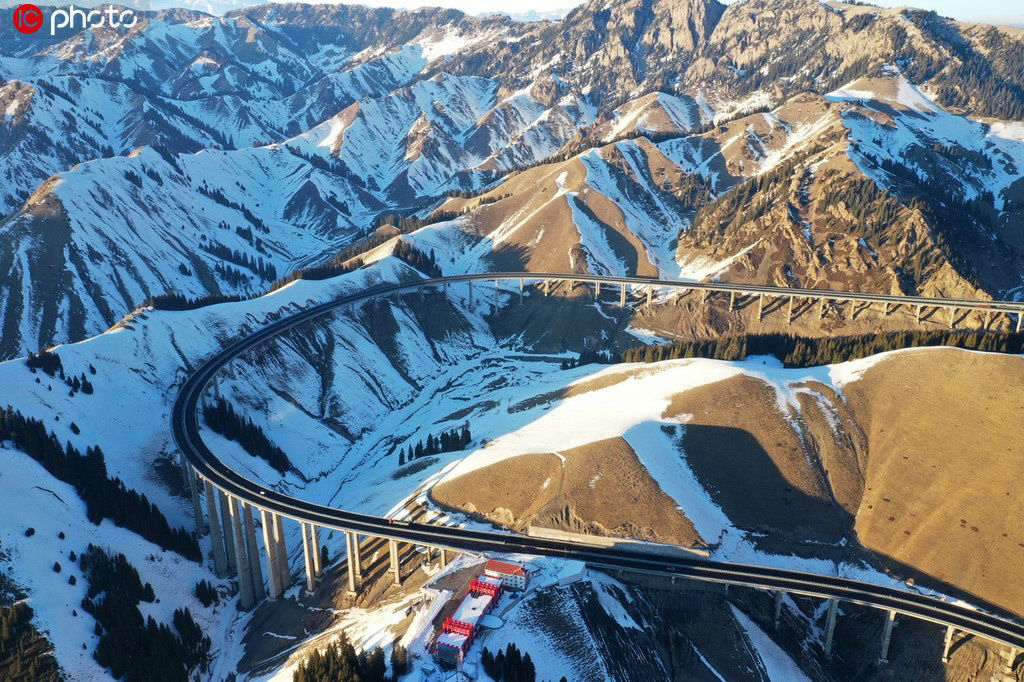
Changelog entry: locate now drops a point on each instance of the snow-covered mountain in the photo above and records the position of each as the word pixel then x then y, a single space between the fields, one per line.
pixel 386 111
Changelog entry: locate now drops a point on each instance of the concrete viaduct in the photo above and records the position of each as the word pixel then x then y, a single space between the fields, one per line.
pixel 233 503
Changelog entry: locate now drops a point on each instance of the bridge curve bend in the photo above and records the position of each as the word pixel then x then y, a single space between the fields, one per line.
pixel 231 498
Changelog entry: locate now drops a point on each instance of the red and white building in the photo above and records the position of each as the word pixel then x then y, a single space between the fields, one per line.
pixel 458 631
pixel 512 574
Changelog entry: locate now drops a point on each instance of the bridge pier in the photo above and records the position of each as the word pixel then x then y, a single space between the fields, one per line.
pixel 821 308
pixel 193 490
pixel 225 514
pixel 918 313
pixel 284 569
pixel 622 294
pixel 546 287
pixel 396 566
pixel 789 311
pixel 988 320
pixel 885 309
pixel 355 570
pixel 890 621
pixel 315 539
pixel 597 290
pixel 779 596
pixel 732 301
pixel 952 318
pixel 307 554
pixel 704 293
pixel 253 553
pixel 1010 660
pixel 220 560
pixel 760 307
pixel 444 558
pixel 497 291
pixel 270 549
pixel 830 624
pixel 246 595
pixel 650 293
pixel 948 642
pixel 521 285
pixel 1020 318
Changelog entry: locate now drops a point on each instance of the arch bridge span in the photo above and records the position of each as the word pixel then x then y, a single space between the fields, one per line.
pixel 234 503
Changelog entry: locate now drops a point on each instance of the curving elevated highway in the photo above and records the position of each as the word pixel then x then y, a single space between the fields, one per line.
pixel 233 531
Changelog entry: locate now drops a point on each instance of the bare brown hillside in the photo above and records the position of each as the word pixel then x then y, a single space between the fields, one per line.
pixel 915 463
pixel 600 488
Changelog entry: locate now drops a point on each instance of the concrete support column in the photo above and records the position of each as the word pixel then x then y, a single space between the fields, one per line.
pixel 225 514
pixel 497 290
pixel 396 566
pixel 918 314
pixel 853 309
pixel 952 318
pixel 419 292
pixel 470 294
pixel 193 491
pixel 760 307
pixel 988 320
pixel 246 596
pixel 546 287
pixel 830 624
pixel 650 293
pixel 285 570
pixel 355 571
pixel 885 309
pixel 597 289
pixel 890 621
pixel 258 592
pixel 1020 318
pixel 315 539
pixel 444 558
pixel 732 300
pixel 307 553
pixel 947 642
pixel 521 285
pixel 270 547
pixel 220 560
pixel 779 596
pixel 789 311
pixel 1009 659
pixel 821 308
pixel 622 294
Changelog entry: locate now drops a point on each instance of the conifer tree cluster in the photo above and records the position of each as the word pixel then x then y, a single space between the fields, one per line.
pixel 257 266
pixel 424 262
pixel 587 357
pixel 176 301
pixel 449 441
pixel 340 662
pixel 206 593
pixel 509 665
pixel 222 418
pixel 104 497
pixel 131 647
pixel 798 351
pixel 24 653
pixel 46 360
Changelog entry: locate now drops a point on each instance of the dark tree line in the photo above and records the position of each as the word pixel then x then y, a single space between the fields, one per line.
pixel 176 301
pixel 509 665
pixel 798 351
pixel 424 262
pixel 449 441
pixel 104 497
pixel 24 653
pixel 340 662
pixel 222 418
pixel 257 266
pixel 46 360
pixel 131 647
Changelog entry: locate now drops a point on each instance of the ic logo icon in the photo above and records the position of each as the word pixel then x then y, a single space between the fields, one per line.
pixel 28 18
